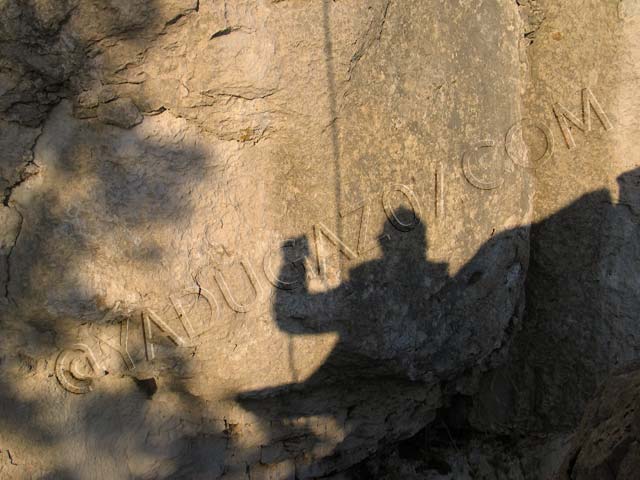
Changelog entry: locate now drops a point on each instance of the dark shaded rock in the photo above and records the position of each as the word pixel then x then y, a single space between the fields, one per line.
pixel 607 443
pixel 121 112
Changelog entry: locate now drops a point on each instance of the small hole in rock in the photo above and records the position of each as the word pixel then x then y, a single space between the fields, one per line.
pixel 147 385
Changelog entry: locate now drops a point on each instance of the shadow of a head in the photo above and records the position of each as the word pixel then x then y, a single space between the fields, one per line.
pixel 402 238
pixel 405 229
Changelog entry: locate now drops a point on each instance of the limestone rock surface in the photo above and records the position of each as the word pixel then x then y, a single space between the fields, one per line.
pixel 281 239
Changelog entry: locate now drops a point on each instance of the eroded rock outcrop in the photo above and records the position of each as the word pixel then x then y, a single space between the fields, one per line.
pixel 273 239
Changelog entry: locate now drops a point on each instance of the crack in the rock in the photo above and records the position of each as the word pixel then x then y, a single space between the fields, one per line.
pixel 369 38
pixel 224 31
pixel 25 174
pixel 384 19
pixel 8 261
pixel 239 96
pixel 175 19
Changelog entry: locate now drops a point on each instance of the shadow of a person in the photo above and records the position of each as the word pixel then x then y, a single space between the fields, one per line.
pixel 378 312
pixel 399 316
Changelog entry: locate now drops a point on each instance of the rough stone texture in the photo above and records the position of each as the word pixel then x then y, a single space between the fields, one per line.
pixel 448 454
pixel 120 112
pixel 582 283
pixel 607 442
pixel 190 167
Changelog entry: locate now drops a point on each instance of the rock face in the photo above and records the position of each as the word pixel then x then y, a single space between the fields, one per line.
pixel 582 281
pixel 275 239
pixel 607 442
